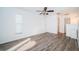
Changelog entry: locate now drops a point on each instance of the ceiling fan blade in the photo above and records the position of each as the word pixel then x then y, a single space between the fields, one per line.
pixel 38 11
pixel 50 11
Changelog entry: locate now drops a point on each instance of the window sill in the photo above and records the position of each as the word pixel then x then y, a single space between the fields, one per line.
pixel 19 33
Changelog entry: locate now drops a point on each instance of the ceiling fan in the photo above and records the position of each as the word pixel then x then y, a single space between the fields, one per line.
pixel 45 11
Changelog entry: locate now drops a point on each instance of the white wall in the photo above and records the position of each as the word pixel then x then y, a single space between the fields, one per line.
pixel 7 24
pixel 33 23
pixel 1 21
pixel 51 23
pixel 70 28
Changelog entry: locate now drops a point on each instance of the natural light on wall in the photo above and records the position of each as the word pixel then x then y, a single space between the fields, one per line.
pixel 73 19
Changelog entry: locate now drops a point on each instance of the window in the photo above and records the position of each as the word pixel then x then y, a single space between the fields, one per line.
pixel 19 24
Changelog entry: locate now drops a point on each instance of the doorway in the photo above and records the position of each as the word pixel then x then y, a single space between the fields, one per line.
pixel 61 27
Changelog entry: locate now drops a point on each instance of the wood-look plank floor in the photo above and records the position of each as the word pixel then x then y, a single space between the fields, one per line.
pixel 45 42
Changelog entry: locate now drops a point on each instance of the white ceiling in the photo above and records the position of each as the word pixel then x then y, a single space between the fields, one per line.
pixel 56 9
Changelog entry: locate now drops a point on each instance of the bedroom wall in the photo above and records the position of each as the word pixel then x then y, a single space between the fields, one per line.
pixel 7 22
pixel 51 21
pixel 33 24
pixel 70 28
pixel 1 24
